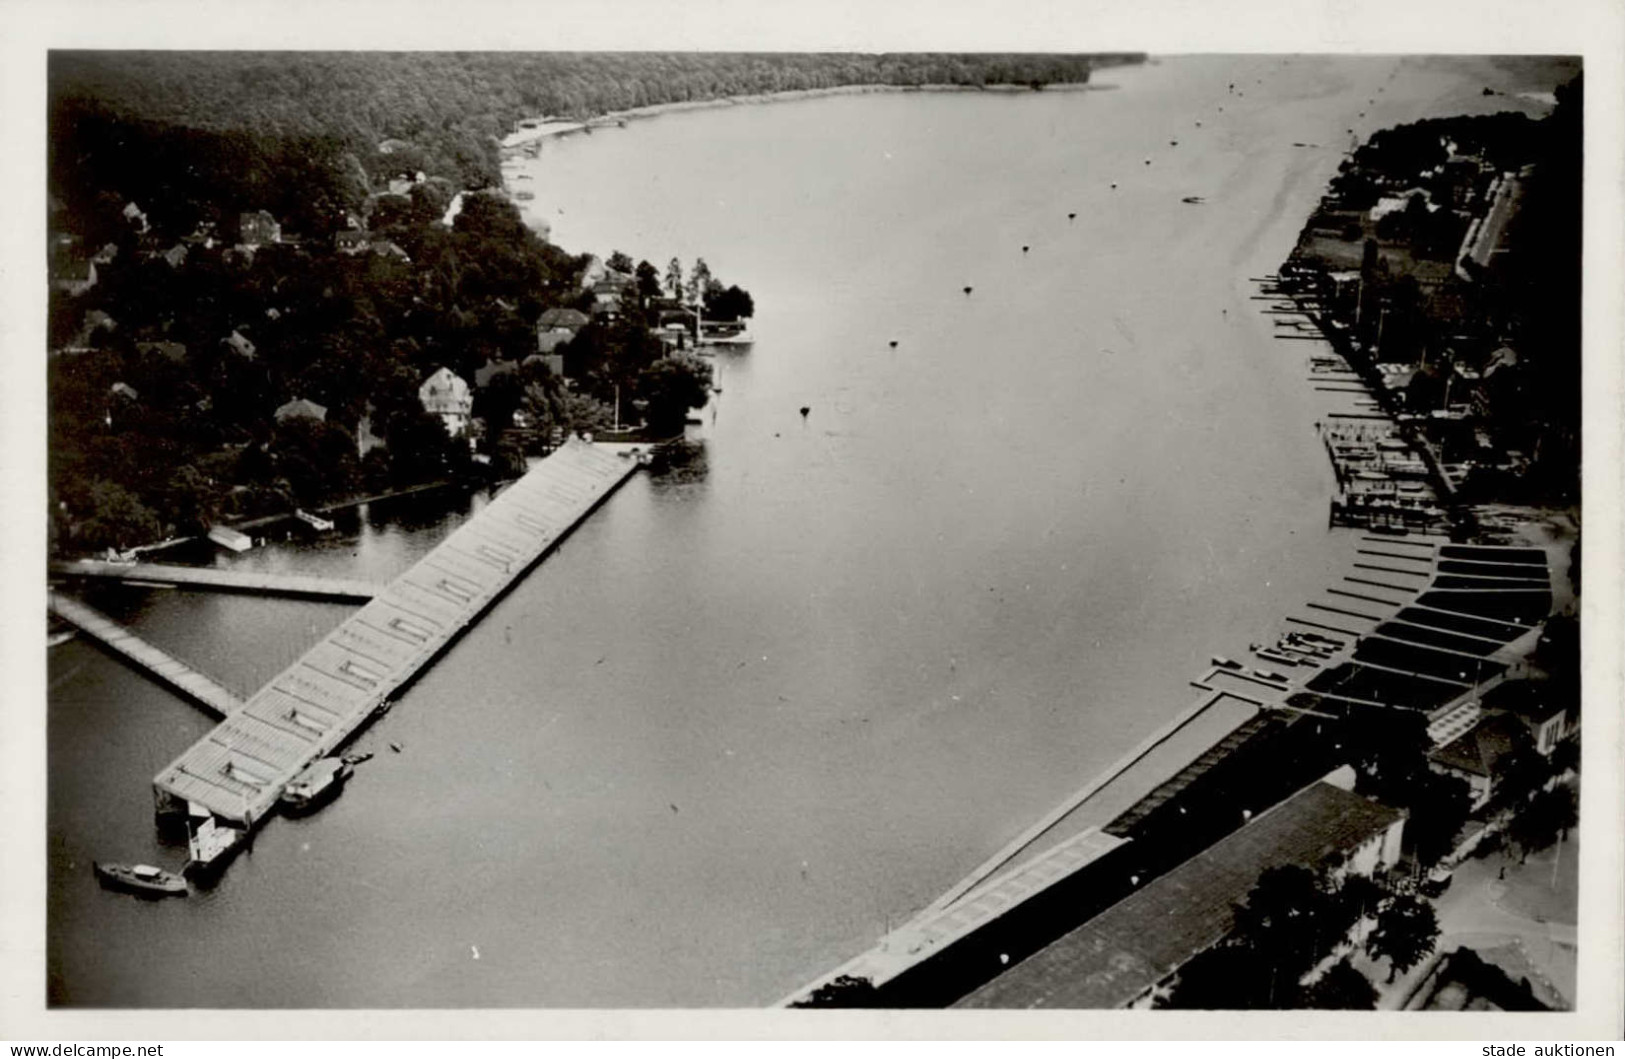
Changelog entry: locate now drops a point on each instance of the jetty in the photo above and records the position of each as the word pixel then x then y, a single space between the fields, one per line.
pixel 236 772
pixel 343 590
pixel 170 670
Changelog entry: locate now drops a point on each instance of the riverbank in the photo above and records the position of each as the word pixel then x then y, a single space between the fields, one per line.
pixel 532 145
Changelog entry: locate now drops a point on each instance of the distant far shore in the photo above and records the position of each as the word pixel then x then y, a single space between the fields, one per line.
pixel 616 117
pixel 836 90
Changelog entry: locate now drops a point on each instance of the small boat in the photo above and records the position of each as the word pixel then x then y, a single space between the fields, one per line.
pixel 316 786
pixel 1269 674
pixel 359 758
pixel 1195 200
pixel 524 196
pixel 1225 663
pixel 140 879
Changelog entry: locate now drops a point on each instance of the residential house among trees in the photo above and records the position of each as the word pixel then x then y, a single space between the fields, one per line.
pixel 1548 719
pixel 445 395
pixel 1476 755
pixel 351 241
pixel 258 229
pixel 299 408
pixel 239 345
pixel 571 320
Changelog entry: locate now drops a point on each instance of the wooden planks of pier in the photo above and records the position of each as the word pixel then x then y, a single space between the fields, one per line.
pixel 270 584
pixel 160 664
pixel 237 771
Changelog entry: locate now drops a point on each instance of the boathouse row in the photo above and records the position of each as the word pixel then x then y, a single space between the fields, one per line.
pixel 237 771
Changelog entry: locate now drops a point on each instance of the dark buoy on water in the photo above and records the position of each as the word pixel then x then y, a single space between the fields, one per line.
pixel 1148 161
pixel 395 747
pixel 1073 216
pixel 1173 143
pixel 1024 248
pixel 1114 185
pixel 967 290
pixel 893 343
pixel 804 410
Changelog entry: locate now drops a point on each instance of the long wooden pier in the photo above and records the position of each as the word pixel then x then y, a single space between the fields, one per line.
pixel 257 582
pixel 172 671
pixel 238 770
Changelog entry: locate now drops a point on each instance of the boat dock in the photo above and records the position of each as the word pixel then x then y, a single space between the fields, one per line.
pixel 237 771
pixel 342 590
pixel 177 674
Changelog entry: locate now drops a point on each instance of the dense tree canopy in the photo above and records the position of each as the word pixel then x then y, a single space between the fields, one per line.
pixel 443 112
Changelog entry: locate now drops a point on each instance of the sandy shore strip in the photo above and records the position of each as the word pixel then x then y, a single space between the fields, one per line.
pixel 655 110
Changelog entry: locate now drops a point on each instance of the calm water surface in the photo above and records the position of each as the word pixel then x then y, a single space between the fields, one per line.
pixel 758 708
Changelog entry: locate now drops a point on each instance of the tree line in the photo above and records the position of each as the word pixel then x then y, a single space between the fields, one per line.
pixel 446 111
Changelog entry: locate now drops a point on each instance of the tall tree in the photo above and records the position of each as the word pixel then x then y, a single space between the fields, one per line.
pixel 1544 819
pixel 648 281
pixel 672 386
pixel 699 280
pixel 1406 932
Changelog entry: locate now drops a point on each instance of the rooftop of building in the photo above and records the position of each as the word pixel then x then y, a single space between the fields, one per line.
pixel 1130 947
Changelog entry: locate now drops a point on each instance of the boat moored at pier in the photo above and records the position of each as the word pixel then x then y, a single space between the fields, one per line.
pixel 316 786
pixel 141 879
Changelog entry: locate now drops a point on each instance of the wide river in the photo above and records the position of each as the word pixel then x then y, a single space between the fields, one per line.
pixel 756 711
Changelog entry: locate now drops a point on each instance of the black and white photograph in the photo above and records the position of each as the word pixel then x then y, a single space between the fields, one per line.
pixel 1065 528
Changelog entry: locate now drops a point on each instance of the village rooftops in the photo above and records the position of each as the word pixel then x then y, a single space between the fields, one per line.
pixel 299 408
pixel 1480 749
pixel 1124 952
pixel 574 319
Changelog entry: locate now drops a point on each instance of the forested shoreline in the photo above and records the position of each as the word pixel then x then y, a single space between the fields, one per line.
pixel 449 110
pixel 258 258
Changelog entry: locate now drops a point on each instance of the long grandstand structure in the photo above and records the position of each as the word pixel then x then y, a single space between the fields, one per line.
pixel 1443 626
pixel 236 772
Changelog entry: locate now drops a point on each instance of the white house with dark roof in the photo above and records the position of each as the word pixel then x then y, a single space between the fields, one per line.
pixel 447 396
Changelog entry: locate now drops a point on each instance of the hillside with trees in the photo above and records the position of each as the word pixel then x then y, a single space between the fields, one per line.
pixel 443 113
